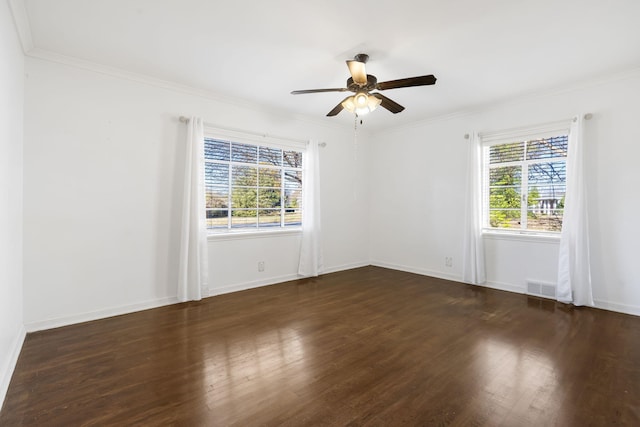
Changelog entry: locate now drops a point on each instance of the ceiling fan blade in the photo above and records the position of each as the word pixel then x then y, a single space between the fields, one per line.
pixel 300 92
pixel 337 108
pixel 408 82
pixel 387 103
pixel 358 72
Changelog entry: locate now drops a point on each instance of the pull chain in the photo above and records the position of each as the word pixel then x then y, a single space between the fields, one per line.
pixel 355 156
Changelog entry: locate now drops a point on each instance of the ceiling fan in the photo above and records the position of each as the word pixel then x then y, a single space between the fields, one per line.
pixel 362 84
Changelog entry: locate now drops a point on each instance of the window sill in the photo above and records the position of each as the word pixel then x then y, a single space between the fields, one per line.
pixel 524 237
pixel 252 234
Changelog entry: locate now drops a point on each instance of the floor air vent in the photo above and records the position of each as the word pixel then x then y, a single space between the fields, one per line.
pixel 540 289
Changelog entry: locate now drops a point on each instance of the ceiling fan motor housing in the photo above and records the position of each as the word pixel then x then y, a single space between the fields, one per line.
pixel 372 81
pixel 361 57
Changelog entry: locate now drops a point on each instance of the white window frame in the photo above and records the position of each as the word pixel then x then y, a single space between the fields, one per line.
pixel 488 139
pixel 260 141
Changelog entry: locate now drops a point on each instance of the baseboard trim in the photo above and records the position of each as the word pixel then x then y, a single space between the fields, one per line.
pixel 9 368
pixel 501 286
pixel 98 314
pixel 455 278
pixel 417 270
pixel 251 285
pixel 132 308
pixel 278 279
pixel 344 267
pixel 617 307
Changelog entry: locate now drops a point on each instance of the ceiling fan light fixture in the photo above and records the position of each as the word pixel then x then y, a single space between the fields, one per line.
pixel 373 102
pixel 349 104
pixel 361 84
pixel 361 103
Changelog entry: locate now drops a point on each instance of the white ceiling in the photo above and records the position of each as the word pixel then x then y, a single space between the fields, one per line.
pixel 481 51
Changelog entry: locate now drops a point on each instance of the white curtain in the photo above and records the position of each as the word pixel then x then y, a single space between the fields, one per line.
pixel 574 271
pixel 193 268
pixel 473 266
pixel 310 263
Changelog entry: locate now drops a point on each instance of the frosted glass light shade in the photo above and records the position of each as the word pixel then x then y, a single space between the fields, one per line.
pixel 361 103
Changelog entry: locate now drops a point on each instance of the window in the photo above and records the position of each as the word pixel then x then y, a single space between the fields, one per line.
pixel 251 187
pixel 524 184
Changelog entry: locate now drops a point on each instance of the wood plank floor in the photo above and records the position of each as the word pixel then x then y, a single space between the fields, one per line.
pixel 368 346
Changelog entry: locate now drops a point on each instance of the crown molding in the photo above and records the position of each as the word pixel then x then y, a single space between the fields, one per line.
pixel 50 56
pixel 21 22
pixel 627 73
pixel 23 29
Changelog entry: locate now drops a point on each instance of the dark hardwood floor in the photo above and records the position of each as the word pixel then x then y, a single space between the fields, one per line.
pixel 368 346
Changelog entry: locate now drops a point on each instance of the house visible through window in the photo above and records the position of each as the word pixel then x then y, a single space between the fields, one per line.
pixel 524 184
pixel 252 187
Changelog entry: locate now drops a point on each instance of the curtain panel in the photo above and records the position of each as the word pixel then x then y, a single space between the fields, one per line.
pixel 574 262
pixel 193 263
pixel 473 264
pixel 311 263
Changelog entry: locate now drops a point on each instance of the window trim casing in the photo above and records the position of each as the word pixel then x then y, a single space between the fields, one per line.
pixel 241 137
pixel 254 233
pixel 487 139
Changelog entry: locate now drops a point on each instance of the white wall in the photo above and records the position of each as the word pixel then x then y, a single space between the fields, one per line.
pixel 11 122
pixel 102 162
pixel 102 184
pixel 417 192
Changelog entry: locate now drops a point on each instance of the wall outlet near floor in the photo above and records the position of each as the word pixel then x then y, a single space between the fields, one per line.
pixel 448 261
pixel 260 265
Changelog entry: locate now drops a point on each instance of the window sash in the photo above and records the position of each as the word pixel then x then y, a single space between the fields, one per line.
pixel 245 192
pixel 517 208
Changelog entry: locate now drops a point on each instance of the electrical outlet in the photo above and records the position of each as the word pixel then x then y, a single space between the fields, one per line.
pixel 260 265
pixel 448 261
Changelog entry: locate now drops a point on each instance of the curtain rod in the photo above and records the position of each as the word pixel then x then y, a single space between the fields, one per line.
pixel 587 116
pixel 184 119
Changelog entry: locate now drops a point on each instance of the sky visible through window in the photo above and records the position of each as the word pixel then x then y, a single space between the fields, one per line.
pixel 526 184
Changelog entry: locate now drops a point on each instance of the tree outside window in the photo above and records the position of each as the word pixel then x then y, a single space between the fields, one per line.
pixel 532 171
pixel 251 186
